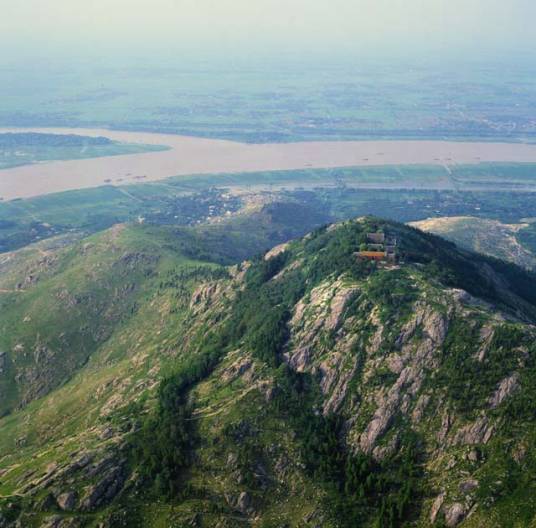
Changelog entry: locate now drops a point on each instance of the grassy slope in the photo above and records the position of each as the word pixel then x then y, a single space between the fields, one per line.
pixel 60 307
pixel 119 370
pixel 92 287
pixel 115 369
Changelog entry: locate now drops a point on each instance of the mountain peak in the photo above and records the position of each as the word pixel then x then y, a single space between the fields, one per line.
pixel 308 386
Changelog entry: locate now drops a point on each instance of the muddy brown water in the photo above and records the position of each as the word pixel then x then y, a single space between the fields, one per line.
pixel 192 155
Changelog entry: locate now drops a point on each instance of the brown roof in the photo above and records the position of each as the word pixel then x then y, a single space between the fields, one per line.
pixel 372 254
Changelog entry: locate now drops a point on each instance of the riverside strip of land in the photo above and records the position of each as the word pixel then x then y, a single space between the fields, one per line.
pixel 192 155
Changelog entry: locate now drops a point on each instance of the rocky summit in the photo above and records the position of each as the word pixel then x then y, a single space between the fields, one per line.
pixel 365 375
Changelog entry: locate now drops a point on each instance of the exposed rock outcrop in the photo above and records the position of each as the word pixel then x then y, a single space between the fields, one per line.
pixel 445 427
pixel 436 506
pixel 420 408
pixel 237 369
pixel 478 432
pixel 454 514
pixel 67 501
pixel 467 486
pixel 415 360
pixel 277 250
pixel 506 387
pixel 243 503
pixel 104 490
pixel 3 362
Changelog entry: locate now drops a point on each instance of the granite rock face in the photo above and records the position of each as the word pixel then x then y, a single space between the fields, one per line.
pixel 67 501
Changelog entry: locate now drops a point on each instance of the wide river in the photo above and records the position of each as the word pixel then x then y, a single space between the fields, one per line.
pixel 192 155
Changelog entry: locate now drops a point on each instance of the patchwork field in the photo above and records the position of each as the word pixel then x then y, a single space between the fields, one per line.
pixel 410 193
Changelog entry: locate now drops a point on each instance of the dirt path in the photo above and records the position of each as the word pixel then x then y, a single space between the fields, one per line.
pixel 130 195
pixel 204 414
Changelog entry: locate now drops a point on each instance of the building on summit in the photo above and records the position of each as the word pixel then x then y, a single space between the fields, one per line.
pixel 379 248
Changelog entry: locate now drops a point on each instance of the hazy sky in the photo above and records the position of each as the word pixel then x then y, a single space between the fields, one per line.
pixel 362 26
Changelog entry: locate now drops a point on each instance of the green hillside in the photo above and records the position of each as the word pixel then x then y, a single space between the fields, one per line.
pixel 509 242
pixel 305 387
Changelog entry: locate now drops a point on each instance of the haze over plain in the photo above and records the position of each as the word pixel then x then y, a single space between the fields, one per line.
pixel 268 27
